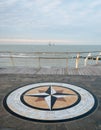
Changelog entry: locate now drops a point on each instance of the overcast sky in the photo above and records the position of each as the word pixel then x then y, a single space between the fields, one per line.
pixel 54 20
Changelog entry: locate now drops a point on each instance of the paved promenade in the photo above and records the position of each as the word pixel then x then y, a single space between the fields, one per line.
pixel 9 82
pixel 88 70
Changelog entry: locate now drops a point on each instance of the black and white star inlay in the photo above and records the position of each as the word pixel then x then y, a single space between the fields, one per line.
pixel 51 96
pixel 50 102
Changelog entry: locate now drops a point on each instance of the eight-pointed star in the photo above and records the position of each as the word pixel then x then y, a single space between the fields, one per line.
pixel 50 96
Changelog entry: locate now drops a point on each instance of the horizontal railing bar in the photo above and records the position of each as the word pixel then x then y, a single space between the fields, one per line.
pixel 49 52
pixel 37 57
pixel 32 57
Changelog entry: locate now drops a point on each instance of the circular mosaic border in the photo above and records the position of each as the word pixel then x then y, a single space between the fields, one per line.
pixel 87 104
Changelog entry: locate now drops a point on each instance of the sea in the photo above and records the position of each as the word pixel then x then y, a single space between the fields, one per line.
pixel 50 48
pixel 18 55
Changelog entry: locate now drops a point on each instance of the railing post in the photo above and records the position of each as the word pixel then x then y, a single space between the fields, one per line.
pixel 39 63
pixel 86 59
pixel 67 65
pixel 12 61
pixel 77 61
pixel 97 58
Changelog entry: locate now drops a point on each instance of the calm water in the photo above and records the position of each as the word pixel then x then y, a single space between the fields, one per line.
pixel 31 62
pixel 47 48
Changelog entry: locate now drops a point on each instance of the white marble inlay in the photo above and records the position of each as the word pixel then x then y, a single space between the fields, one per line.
pixel 48 99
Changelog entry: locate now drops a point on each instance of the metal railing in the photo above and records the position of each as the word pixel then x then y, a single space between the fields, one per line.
pixel 49 59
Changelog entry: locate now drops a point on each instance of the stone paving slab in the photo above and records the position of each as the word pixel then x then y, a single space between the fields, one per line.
pixel 9 82
pixel 88 70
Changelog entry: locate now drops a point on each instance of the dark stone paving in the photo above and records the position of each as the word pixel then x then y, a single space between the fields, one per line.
pixel 9 122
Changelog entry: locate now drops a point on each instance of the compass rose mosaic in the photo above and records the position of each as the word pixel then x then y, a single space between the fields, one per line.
pixel 50 102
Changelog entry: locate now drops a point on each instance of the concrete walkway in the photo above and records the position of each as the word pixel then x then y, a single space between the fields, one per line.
pixel 88 70
pixel 9 82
